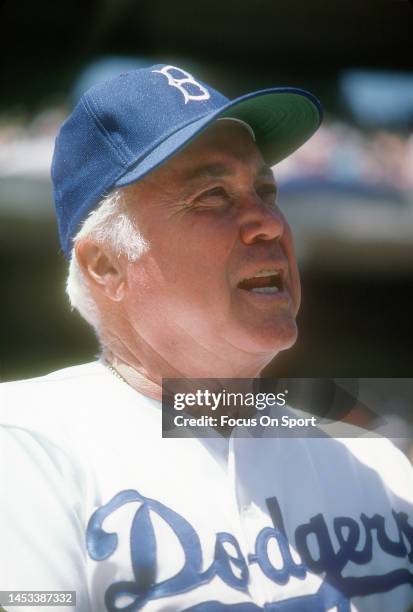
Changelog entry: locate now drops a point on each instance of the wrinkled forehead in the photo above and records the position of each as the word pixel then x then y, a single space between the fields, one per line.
pixel 225 133
pixel 222 145
pixel 240 122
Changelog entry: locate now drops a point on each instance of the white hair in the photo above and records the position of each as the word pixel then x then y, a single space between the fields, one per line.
pixel 111 224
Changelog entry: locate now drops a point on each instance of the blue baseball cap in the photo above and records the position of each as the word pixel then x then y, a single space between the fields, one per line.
pixel 124 128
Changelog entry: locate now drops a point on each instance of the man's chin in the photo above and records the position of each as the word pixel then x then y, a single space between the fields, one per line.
pixel 270 339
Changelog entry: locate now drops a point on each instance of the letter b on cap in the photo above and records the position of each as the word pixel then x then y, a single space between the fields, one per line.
pixel 186 84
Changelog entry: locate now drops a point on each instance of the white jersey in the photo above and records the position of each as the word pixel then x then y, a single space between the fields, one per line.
pixel 94 500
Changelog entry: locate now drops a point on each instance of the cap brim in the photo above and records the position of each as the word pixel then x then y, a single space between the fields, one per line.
pixel 283 119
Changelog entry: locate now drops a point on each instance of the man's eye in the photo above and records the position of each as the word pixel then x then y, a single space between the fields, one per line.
pixel 212 197
pixel 216 192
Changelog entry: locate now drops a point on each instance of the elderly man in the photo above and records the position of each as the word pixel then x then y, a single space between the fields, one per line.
pixel 182 261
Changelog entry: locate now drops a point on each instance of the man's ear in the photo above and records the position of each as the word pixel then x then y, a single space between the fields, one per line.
pixel 103 270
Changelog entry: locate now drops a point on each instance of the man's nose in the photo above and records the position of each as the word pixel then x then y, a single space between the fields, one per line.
pixel 259 221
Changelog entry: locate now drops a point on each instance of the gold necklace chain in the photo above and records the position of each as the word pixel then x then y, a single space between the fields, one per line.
pixel 115 372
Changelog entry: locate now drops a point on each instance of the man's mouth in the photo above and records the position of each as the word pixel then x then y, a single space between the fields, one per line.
pixel 264 281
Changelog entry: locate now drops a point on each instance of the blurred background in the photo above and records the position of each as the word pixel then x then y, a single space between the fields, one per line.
pixel 348 193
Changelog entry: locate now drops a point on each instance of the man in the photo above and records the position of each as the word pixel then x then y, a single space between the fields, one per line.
pixel 182 261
